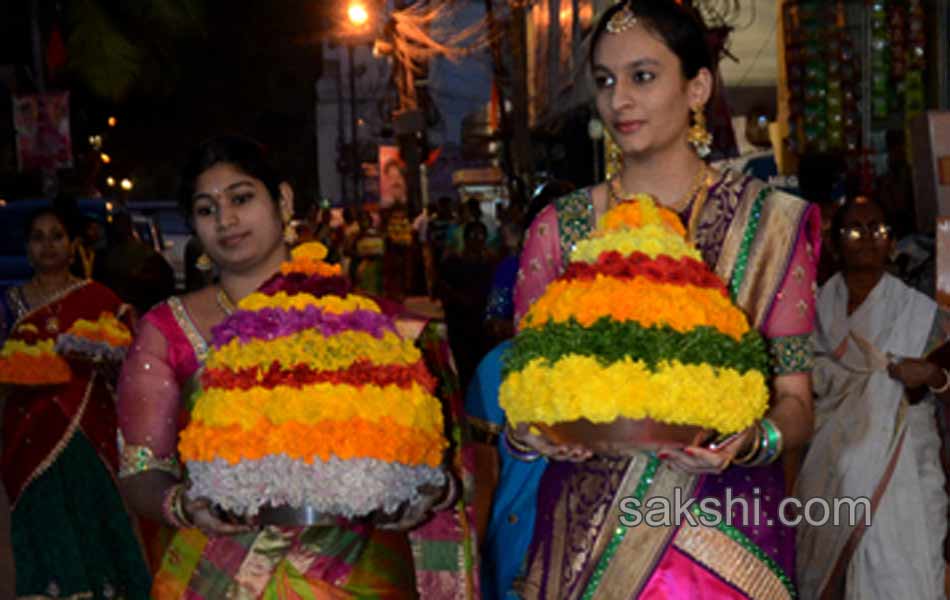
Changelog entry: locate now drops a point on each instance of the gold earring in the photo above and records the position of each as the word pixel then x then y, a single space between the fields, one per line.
pixel 290 233
pixel 204 263
pixel 614 162
pixel 699 137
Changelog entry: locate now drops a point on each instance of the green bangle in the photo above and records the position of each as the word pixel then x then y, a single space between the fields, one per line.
pixel 774 443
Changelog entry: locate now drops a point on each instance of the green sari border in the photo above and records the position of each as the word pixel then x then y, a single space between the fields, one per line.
pixel 748 236
pixel 620 531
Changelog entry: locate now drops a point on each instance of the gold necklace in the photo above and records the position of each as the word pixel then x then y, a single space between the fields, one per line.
pixel 617 193
pixel 47 299
pixel 224 302
pixel 699 191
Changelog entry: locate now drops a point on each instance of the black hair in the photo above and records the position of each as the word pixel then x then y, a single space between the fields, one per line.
pixel 818 175
pixel 242 153
pixel 547 193
pixel 837 220
pixel 474 207
pixel 50 211
pixel 678 24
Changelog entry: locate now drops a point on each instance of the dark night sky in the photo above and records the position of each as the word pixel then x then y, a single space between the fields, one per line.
pixel 251 72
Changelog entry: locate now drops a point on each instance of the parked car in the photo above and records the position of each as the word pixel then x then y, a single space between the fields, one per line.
pixel 172 232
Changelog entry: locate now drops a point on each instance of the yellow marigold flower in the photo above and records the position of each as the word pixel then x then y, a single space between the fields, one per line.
pixel 311 348
pixel 332 304
pixel 578 387
pixel 652 240
pixel 682 307
pixel 309 251
pixel 40 348
pixel 635 214
pixel 106 329
pixel 318 402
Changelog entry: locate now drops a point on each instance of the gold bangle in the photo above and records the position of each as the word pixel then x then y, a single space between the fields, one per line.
pixel 753 448
pixel 178 507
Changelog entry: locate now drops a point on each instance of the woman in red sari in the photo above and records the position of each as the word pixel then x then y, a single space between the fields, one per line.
pixel 71 534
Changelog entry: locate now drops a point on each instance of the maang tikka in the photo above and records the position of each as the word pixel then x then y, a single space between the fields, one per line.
pixel 622 20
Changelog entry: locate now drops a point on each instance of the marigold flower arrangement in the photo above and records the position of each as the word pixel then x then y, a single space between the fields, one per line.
pixel 637 327
pixel 105 339
pixel 27 360
pixel 310 397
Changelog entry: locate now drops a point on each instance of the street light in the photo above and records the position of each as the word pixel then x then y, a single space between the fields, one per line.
pixel 357 14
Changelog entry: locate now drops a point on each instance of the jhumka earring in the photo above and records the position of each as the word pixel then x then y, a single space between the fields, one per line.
pixel 699 137
pixel 290 232
pixel 622 20
pixel 204 263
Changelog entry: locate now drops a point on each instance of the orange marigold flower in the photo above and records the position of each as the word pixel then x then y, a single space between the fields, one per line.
pixel 383 440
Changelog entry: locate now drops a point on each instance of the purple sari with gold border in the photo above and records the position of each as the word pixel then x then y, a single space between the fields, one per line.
pixel 764 244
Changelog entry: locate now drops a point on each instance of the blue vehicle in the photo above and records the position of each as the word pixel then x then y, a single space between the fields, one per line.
pixel 168 232
pixel 14 268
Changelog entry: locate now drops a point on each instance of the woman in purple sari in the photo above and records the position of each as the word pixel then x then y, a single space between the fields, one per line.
pixel 653 74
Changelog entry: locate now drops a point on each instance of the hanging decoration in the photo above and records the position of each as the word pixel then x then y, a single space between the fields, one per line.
pixel 419 33
pixel 823 77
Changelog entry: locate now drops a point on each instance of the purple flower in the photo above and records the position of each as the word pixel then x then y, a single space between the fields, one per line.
pixel 272 323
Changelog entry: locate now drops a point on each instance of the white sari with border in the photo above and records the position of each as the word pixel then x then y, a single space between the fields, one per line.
pixel 869 441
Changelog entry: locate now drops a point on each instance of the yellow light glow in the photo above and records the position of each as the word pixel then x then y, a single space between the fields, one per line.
pixel 126 184
pixel 109 205
pixel 357 13
pixel 110 181
pixel 112 121
pixel 106 159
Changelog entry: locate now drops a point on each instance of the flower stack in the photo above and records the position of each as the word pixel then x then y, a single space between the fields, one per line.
pixel 27 360
pixel 310 397
pixel 105 339
pixel 637 327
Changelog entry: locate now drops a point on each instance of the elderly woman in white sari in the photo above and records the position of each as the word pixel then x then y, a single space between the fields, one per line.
pixel 875 432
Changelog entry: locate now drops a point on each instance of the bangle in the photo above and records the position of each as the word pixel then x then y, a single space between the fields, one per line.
pixel 173 507
pixel 517 449
pixel 451 495
pixel 773 443
pixel 753 450
pixel 945 386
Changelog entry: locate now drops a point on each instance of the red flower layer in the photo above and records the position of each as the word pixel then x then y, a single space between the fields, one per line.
pixel 661 269
pixel 358 374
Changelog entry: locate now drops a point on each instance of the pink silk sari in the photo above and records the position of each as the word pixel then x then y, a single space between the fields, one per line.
pixel 436 560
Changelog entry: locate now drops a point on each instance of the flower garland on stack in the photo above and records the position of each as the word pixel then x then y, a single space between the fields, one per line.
pixel 637 327
pixel 105 339
pixel 310 397
pixel 28 360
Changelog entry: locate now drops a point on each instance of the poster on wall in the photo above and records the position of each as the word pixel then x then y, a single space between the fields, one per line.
pixel 41 122
pixel 392 177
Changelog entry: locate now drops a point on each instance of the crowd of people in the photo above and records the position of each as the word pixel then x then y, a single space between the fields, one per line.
pixel 856 378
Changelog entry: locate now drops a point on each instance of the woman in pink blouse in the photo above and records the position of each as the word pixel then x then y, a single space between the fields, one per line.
pixel 238 208
pixel 653 74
